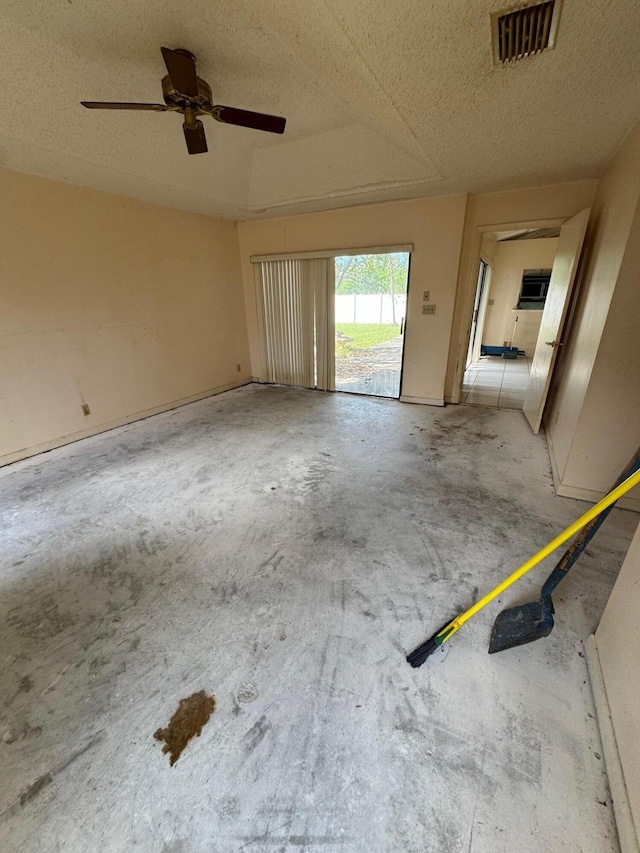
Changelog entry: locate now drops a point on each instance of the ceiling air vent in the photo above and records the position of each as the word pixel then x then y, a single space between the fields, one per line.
pixel 524 30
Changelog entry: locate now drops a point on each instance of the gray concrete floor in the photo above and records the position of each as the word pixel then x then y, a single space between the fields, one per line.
pixel 282 550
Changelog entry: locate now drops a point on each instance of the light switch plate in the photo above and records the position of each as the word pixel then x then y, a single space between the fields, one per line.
pixel 428 309
pixel 426 296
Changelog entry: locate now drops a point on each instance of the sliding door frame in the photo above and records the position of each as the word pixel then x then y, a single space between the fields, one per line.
pixel 324 347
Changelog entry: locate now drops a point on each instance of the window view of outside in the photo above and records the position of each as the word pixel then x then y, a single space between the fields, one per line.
pixel 370 310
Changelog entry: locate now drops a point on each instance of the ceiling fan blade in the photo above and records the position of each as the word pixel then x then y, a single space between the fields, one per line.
pixel 181 67
pixel 116 105
pixel 195 138
pixel 245 118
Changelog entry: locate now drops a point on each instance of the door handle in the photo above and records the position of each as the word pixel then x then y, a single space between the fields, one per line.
pixel 554 343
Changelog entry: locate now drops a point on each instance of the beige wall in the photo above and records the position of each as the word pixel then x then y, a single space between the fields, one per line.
pixel 618 642
pixel 434 227
pixel 123 305
pixel 593 421
pixel 132 308
pixel 535 206
pixel 510 260
pixel 611 407
pixel 526 329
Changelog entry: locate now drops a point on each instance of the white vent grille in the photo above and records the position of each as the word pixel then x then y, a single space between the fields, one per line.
pixel 525 30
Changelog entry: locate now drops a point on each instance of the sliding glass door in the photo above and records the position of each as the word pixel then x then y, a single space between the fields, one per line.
pixel 334 322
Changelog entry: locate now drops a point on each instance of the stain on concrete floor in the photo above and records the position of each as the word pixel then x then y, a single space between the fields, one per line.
pixel 188 721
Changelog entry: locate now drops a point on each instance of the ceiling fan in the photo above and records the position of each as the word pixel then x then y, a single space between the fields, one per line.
pixel 186 93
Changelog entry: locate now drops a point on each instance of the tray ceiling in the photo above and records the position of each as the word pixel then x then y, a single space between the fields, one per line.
pixel 383 101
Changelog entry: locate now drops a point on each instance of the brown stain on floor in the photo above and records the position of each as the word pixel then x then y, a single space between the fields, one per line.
pixel 188 721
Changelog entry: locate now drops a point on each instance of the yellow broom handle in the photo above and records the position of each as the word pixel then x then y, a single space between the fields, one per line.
pixel 595 510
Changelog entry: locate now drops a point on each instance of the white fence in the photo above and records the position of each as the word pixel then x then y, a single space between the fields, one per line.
pixel 371 308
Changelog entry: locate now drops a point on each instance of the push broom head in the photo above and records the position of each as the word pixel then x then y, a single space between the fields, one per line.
pixel 419 655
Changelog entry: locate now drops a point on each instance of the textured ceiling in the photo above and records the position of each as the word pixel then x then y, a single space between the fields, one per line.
pixel 383 100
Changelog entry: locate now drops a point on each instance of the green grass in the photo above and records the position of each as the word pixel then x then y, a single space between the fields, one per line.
pixel 364 336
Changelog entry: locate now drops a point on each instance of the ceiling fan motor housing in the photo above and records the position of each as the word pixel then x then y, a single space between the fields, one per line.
pixel 202 105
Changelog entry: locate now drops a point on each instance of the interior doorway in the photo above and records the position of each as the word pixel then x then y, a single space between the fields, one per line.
pixel 519 314
pixel 370 314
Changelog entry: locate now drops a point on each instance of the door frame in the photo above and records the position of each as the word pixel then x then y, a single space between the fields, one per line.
pixel 483 289
pixel 404 328
pixel 472 282
pixel 406 249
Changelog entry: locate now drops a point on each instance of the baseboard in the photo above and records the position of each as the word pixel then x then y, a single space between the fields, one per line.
pixel 26 453
pixel 422 401
pixel 555 474
pixel 593 497
pixel 590 495
pixel 619 796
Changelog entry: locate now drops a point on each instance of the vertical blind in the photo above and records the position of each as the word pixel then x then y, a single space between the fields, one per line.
pixel 295 299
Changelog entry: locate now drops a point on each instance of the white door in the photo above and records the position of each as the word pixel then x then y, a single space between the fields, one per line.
pixel 556 305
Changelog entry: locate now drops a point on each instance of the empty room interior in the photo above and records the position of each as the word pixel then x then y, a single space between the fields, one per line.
pixel 320 426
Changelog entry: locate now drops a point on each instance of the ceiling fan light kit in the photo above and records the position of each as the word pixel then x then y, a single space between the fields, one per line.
pixel 186 93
